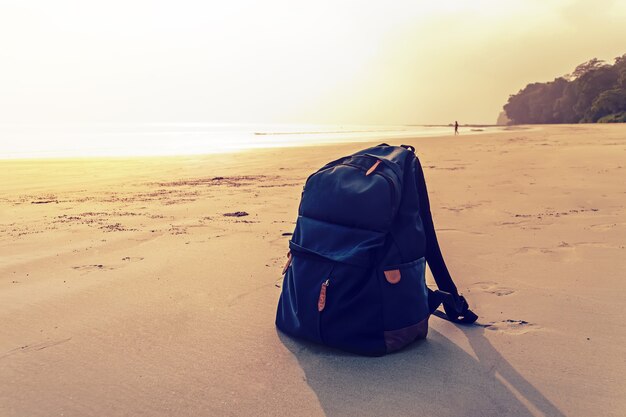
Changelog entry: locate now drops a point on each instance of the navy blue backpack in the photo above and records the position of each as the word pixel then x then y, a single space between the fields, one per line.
pixel 354 278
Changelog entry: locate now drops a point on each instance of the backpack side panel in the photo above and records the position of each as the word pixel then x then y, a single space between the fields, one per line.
pixel 405 302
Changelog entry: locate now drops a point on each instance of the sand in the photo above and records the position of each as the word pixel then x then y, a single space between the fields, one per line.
pixel 126 291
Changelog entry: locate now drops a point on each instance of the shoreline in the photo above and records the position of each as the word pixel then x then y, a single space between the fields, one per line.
pixel 244 141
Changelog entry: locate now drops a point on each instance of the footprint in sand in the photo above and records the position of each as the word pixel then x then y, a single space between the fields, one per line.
pixel 102 267
pixel 564 250
pixel 132 258
pixel 602 245
pixel 533 250
pixel 513 327
pixel 492 287
pixel 470 232
pixel 93 267
pixel 462 207
pixel 35 347
pixel 509 223
pixel 608 226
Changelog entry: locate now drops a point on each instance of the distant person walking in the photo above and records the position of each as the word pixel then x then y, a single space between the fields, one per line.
pixel 456 128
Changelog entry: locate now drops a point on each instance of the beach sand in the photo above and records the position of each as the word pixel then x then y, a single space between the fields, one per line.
pixel 125 290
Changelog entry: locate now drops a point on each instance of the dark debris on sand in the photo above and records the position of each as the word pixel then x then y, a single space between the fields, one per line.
pixel 236 214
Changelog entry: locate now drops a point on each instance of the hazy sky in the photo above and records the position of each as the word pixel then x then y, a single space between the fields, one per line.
pixel 320 61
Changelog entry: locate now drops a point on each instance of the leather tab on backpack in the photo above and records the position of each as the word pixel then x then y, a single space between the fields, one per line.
pixel 288 263
pixel 373 168
pixel 393 276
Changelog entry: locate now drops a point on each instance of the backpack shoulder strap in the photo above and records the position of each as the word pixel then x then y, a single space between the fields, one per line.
pixel 455 305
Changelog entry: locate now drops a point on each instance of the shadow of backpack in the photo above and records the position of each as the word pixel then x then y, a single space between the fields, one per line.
pixel 355 275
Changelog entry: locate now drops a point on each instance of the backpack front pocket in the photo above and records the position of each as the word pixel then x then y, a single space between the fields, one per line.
pixel 405 302
pixel 300 301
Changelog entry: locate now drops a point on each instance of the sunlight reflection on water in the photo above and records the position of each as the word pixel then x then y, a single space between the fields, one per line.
pixel 153 139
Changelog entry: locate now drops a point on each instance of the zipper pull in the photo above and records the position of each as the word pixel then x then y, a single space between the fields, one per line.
pixel 321 301
pixel 288 263
pixel 373 168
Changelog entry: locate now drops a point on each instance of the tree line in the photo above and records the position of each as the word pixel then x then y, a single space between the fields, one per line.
pixel 594 92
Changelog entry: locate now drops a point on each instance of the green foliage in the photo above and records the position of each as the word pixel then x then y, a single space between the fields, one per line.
pixel 594 91
pixel 585 67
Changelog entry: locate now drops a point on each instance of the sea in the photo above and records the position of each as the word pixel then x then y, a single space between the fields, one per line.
pixel 26 141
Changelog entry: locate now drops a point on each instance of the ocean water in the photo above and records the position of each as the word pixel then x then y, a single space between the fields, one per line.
pixel 151 139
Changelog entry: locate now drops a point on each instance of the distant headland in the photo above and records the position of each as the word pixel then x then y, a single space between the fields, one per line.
pixel 595 92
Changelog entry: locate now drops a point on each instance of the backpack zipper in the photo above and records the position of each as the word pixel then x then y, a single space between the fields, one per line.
pixel 321 304
pixel 373 168
pixel 321 301
pixel 288 264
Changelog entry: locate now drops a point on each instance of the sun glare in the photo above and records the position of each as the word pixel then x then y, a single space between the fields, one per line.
pixel 281 62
